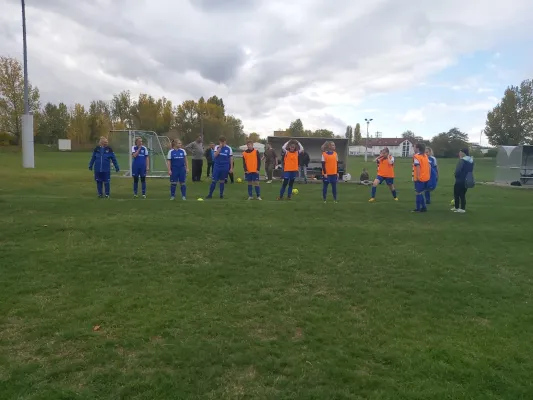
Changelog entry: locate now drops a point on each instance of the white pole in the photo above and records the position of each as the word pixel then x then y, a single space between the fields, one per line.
pixel 28 152
pixel 366 145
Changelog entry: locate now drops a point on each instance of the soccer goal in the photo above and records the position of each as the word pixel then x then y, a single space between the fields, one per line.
pixel 158 147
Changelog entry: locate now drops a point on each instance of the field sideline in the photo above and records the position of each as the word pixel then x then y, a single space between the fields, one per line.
pixel 230 299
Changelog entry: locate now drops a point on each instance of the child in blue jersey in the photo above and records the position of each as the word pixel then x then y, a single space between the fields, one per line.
pixel 434 177
pixel 178 167
pixel 139 166
pixel 101 160
pixel 223 166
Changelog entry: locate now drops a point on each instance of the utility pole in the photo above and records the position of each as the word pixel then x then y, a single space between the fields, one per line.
pixel 367 120
pixel 28 153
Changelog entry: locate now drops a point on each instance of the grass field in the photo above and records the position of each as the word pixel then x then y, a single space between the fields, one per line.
pixel 231 299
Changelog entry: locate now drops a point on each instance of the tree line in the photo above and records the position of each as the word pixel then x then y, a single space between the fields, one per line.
pixel 84 125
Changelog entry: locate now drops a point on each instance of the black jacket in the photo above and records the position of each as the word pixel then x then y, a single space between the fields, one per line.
pixel 304 159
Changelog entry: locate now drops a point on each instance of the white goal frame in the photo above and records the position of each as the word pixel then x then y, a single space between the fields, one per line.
pixel 158 147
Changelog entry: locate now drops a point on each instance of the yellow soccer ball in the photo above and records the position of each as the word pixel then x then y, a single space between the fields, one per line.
pixel 295 191
pixel 200 199
pixel 239 180
pixel 452 203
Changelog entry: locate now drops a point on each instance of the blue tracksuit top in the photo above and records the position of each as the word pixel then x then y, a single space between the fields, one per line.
pixel 102 158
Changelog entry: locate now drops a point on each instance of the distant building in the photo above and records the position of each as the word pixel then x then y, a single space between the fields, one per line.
pixel 281 133
pixel 398 147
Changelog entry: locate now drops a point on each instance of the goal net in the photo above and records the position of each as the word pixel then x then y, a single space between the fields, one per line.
pixel 158 147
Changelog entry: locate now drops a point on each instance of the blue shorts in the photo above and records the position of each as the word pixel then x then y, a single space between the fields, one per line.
pixel 388 181
pixel 290 175
pixel 138 171
pixel 432 184
pixel 421 186
pixel 220 173
pixel 102 176
pixel 251 176
pixel 178 175
pixel 330 178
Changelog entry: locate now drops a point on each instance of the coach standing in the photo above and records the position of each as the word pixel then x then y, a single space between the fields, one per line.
pixel 196 149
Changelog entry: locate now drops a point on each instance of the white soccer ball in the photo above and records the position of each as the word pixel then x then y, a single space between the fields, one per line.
pixel 346 177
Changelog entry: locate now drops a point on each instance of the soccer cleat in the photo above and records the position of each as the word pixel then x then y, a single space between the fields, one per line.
pixel 183 198
pixel 453 209
pixel 396 199
pixel 144 196
pixel 372 200
pixel 100 196
pixel 259 198
pixel 289 198
pixel 325 201
pixel 460 211
pixel 279 198
pixel 172 198
pixel 135 196
pixel 208 197
pixel 268 181
pixel 423 210
pixel 335 202
pixel 250 198
pixel 222 197
pixel 416 210
pixel 107 196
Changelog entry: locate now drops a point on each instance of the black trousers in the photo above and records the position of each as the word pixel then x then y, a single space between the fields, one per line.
pixel 459 195
pixel 209 167
pixel 197 170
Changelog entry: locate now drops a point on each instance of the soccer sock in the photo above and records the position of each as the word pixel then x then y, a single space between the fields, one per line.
pixel 394 193
pixel 212 187
pixel 107 186
pixel 428 196
pixel 324 190
pixel 334 190
pixel 283 187
pixel 99 186
pixel 373 191
pixel 422 201
pixel 143 185
pixel 183 190
pixel 289 192
pixel 250 193
pixel 258 191
pixel 221 187
pixel 173 189
pixel 135 184
pixel 417 197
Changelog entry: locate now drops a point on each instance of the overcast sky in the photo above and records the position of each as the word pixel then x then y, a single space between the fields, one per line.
pixel 408 64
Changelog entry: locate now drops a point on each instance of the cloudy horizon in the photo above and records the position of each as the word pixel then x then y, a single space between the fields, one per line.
pixel 417 65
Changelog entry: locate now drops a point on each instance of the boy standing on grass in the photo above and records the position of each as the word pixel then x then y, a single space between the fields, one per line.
pixel 434 174
pixel 251 162
pixel 222 168
pixel 101 160
pixel 385 163
pixel 330 170
pixel 291 150
pixel 178 167
pixel 421 176
pixel 139 167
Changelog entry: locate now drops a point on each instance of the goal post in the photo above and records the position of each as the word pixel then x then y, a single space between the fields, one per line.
pixel 158 146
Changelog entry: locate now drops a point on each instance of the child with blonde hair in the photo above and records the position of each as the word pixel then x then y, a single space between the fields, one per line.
pixel 178 168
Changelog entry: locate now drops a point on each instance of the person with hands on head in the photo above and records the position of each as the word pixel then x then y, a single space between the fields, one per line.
pixel 251 162
pixel 101 160
pixel 292 149
pixel 222 168
pixel 139 166
pixel 178 168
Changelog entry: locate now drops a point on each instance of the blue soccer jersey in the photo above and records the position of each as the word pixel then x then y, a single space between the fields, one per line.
pixel 177 158
pixel 140 160
pixel 222 161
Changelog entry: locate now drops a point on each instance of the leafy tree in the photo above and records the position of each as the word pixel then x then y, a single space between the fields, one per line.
pixel 411 135
pixel 510 122
pixel 296 128
pixel 349 134
pixel 448 144
pixel 218 102
pixel 234 129
pixel 357 139
pixel 325 133
pixel 53 123
pixel 121 106
pixel 12 98
pixel 187 120
pixel 79 129
pixel 99 119
pixel 254 137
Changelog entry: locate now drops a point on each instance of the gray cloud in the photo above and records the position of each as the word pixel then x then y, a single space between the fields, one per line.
pixel 271 59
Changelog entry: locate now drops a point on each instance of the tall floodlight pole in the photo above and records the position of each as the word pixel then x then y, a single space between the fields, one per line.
pixel 367 120
pixel 28 155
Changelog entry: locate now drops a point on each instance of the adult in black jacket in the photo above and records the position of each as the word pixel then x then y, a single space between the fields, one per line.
pixel 303 162
pixel 463 177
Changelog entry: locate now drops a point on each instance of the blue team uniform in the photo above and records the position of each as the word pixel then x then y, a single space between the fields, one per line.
pixel 222 163
pixel 178 171
pixel 433 180
pixel 138 166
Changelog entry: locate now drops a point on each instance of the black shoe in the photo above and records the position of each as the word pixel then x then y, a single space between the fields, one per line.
pixel 100 196
pixel 424 209
pixel 416 210
pixel 222 197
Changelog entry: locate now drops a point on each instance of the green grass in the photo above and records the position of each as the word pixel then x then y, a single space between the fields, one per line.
pixel 260 300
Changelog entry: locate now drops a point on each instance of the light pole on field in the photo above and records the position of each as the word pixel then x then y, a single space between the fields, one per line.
pixel 367 120
pixel 28 155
